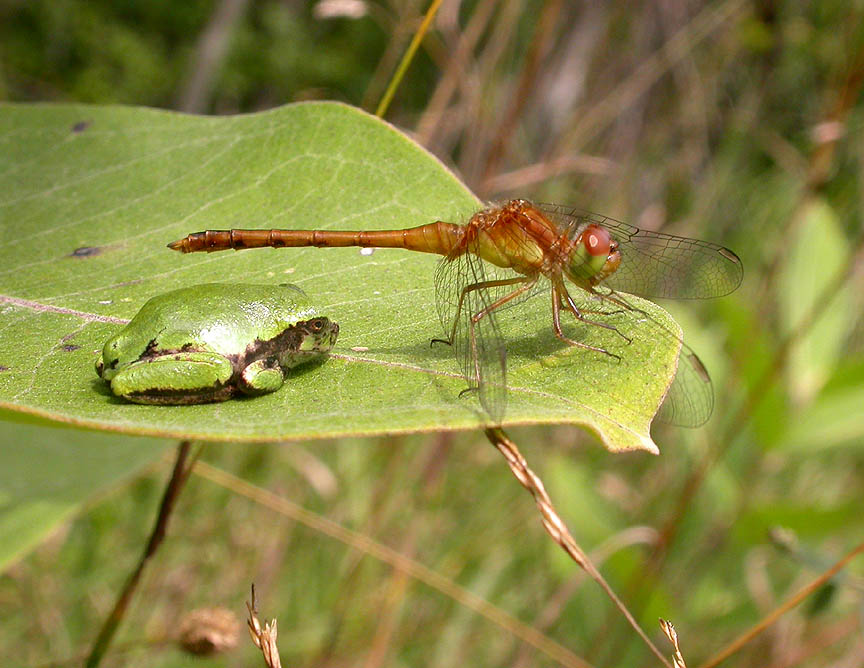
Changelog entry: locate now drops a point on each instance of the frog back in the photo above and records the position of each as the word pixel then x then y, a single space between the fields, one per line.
pixel 222 317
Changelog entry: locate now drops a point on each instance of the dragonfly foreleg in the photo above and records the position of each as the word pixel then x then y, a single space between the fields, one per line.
pixel 613 297
pixel 564 296
pixel 557 303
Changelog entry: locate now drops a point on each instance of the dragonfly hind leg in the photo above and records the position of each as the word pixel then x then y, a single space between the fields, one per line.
pixel 526 281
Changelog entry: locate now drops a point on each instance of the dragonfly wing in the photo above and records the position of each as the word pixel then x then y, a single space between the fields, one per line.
pixel 689 400
pixel 479 345
pixel 655 264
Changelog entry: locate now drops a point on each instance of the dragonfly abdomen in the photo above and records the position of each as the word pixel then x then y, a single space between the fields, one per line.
pixel 439 238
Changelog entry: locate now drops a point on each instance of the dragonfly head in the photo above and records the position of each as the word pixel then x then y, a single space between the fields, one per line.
pixel 595 256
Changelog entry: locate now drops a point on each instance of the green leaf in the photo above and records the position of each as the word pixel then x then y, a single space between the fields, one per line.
pixel 47 473
pixel 833 419
pixel 817 251
pixel 90 196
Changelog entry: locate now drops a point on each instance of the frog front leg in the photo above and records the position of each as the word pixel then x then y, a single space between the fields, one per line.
pixel 176 378
pixel 261 377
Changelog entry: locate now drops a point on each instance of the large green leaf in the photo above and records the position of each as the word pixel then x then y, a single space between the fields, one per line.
pixel 89 197
pixel 47 474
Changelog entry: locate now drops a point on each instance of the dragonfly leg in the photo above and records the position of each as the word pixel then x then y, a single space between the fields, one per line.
pixel 563 295
pixel 556 325
pixel 597 311
pixel 527 281
pixel 615 299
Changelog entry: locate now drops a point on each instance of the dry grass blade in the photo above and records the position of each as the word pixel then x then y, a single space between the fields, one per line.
pixel 448 83
pixel 210 54
pixel 264 637
pixel 670 632
pixel 602 113
pixel 782 609
pixel 556 528
pixel 407 58
pixel 541 44
pixel 398 561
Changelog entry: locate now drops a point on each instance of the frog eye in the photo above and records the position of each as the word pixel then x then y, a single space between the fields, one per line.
pixel 317 325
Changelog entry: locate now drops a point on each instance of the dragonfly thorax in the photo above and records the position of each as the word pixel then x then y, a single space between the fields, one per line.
pixel 509 236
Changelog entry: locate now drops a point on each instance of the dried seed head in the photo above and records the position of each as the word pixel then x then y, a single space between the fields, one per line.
pixel 208 631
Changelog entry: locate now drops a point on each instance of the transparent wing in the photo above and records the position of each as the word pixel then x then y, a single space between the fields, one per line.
pixel 689 400
pixel 479 346
pixel 654 264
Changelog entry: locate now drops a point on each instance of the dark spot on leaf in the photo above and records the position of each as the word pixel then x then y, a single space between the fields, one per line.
pixel 3 368
pixel 86 251
pixel 80 126
pixel 69 348
pixel 125 283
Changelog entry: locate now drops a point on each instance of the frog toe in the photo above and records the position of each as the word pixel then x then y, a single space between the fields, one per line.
pixel 261 377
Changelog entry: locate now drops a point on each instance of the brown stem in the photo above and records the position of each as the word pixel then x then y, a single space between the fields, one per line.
pixel 264 636
pixel 169 499
pixel 209 55
pixel 541 44
pixel 556 528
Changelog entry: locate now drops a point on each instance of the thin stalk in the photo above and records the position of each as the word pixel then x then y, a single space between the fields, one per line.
pixel 556 527
pixel 782 609
pixel 407 58
pixel 179 475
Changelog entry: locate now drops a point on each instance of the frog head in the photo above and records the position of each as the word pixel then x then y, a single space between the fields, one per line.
pixel 316 336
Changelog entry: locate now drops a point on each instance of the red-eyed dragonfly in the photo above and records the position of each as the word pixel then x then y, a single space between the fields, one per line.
pixel 524 243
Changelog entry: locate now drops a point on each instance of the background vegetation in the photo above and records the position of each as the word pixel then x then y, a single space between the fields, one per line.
pixel 737 122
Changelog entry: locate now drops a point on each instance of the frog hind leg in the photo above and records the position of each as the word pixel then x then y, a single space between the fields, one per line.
pixel 261 377
pixel 176 379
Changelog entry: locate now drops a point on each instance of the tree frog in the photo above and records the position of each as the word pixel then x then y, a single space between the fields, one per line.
pixel 209 342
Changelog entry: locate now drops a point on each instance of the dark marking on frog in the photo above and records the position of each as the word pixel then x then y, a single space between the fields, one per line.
pixel 80 126
pixel 151 350
pixel 86 251
pixel 174 397
pixel 290 339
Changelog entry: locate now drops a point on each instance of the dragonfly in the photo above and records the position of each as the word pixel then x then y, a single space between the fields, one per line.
pixel 509 252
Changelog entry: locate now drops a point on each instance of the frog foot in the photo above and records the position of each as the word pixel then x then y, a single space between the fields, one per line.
pixel 261 377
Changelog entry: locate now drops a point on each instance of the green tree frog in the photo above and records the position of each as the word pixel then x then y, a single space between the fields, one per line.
pixel 209 342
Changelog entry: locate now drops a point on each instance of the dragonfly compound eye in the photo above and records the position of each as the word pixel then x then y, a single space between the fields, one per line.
pixel 591 255
pixel 597 240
